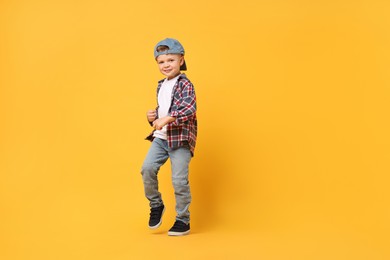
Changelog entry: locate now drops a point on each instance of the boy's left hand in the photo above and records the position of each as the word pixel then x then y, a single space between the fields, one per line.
pixel 159 123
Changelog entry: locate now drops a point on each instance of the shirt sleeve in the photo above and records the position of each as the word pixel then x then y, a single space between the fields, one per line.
pixel 184 107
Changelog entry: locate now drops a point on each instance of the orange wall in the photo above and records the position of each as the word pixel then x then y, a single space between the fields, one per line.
pixel 294 106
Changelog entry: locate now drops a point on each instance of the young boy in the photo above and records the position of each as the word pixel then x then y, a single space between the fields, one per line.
pixel 174 136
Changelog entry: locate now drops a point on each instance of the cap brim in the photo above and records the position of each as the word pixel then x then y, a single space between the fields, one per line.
pixel 184 66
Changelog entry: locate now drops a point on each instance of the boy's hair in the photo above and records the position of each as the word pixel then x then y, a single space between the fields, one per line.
pixel 162 48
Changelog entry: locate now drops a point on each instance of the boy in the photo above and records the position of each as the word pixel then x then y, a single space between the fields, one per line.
pixel 174 136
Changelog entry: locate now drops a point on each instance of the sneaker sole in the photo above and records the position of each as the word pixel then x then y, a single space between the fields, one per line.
pixel 173 233
pixel 159 223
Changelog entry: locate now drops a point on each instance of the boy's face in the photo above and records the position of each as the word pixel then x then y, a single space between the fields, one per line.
pixel 169 64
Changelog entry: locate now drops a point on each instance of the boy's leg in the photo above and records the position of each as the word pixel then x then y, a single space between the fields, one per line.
pixel 157 156
pixel 180 159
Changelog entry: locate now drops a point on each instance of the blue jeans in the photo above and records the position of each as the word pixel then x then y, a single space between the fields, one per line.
pixel 180 157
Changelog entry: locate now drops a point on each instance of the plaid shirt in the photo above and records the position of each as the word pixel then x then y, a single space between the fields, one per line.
pixel 183 107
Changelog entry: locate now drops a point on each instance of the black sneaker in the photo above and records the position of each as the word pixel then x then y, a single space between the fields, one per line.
pixel 155 217
pixel 179 229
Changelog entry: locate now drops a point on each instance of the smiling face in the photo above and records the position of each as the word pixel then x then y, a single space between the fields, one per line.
pixel 169 64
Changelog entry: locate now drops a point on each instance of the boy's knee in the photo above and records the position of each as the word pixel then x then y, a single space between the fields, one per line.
pixel 149 168
pixel 180 182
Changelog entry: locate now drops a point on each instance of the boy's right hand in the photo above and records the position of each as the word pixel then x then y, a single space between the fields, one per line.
pixel 151 115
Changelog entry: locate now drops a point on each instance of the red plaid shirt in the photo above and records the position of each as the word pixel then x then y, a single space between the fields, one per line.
pixel 183 107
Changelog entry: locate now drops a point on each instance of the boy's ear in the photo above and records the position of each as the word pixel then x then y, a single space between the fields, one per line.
pixel 181 60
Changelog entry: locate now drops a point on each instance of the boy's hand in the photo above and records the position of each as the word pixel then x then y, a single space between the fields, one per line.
pixel 151 115
pixel 159 123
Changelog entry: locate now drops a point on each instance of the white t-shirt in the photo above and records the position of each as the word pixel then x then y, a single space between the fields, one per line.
pixel 164 103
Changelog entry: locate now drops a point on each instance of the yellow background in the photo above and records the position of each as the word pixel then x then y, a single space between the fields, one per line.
pixel 293 151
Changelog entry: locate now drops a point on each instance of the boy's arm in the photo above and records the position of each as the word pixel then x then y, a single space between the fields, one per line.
pixel 186 108
pixel 158 124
